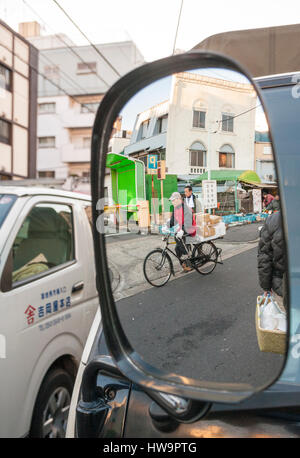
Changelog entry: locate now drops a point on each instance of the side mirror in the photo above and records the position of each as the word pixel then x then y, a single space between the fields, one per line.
pixel 187 119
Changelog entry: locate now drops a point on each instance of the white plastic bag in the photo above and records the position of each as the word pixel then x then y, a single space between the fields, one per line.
pixel 271 316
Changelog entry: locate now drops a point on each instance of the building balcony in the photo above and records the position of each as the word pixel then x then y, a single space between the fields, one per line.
pixel 194 170
pixel 72 154
pixel 75 120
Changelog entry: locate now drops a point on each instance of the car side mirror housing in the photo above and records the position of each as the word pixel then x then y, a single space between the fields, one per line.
pixel 152 98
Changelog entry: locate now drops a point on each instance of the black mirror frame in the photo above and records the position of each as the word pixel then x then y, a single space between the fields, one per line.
pixel 127 360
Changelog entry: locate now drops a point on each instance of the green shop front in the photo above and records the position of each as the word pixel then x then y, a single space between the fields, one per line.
pixel 127 186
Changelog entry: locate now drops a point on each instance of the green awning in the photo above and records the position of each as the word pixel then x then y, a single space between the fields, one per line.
pixel 220 175
pixel 248 176
pixel 116 161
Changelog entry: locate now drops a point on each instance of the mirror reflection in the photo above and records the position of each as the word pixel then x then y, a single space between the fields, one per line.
pixel 190 183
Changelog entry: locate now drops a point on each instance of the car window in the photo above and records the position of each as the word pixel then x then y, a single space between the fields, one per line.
pixel 45 240
pixel 6 203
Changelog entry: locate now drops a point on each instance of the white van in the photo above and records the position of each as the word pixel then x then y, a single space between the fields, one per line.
pixel 48 300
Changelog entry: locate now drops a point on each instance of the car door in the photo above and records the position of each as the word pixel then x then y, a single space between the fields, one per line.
pixel 42 305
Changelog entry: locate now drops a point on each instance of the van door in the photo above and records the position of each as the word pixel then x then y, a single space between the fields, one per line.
pixel 41 312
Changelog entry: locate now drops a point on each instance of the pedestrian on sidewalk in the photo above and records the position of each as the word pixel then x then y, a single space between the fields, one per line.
pixel 271 260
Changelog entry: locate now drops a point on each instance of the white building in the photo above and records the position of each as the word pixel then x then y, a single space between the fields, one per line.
pixel 197 127
pixel 65 121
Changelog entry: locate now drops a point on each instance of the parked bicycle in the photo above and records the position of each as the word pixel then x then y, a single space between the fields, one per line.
pixel 202 257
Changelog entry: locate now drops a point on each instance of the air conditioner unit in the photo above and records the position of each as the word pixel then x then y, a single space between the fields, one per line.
pixel 268 177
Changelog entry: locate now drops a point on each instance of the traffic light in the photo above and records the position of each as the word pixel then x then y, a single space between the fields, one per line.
pixel 161 170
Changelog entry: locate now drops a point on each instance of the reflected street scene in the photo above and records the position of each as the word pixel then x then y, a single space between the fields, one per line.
pixel 190 182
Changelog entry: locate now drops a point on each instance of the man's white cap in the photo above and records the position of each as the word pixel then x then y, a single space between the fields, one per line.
pixel 175 195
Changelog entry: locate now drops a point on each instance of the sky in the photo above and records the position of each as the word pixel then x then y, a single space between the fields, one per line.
pixel 151 24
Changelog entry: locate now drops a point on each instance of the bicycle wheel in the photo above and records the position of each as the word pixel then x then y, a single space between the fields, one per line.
pixel 205 257
pixel 157 268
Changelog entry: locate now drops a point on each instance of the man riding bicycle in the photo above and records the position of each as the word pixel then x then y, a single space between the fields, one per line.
pixel 182 216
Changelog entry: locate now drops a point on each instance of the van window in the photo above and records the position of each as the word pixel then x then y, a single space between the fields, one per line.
pixel 6 202
pixel 45 240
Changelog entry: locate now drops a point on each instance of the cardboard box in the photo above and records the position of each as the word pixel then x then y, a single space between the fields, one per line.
pixel 214 219
pixel 211 231
pixel 202 218
pixel 206 231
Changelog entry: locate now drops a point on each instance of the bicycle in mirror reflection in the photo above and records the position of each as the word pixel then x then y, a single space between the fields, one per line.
pixel 202 257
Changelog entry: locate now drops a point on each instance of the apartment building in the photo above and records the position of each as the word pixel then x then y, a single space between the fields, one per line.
pixel 18 105
pixel 72 82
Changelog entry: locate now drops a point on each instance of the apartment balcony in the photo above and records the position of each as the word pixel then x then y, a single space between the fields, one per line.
pixel 70 153
pixel 194 170
pixel 75 120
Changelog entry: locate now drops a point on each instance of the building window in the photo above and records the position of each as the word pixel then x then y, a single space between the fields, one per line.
pixel 197 155
pixel 86 67
pixel 86 142
pixel 267 150
pixel 145 126
pixel 47 174
pixel 89 107
pixel 46 142
pixel 143 130
pixel 51 71
pixel 161 124
pixel 47 108
pixel 5 78
pixel 227 157
pixel 199 119
pixel 227 122
pixel 5 132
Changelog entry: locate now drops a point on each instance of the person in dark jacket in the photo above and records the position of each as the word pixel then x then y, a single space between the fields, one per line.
pixel 271 259
pixel 275 204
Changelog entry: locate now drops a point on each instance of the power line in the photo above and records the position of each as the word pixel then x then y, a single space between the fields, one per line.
pixel 85 36
pixel 240 114
pixel 179 16
pixel 67 77
pixel 56 85
pixel 68 46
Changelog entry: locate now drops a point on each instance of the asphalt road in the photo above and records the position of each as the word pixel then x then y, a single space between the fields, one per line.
pixel 244 233
pixel 203 327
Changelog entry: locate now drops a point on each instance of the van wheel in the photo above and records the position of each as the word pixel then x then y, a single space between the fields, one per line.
pixel 52 405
